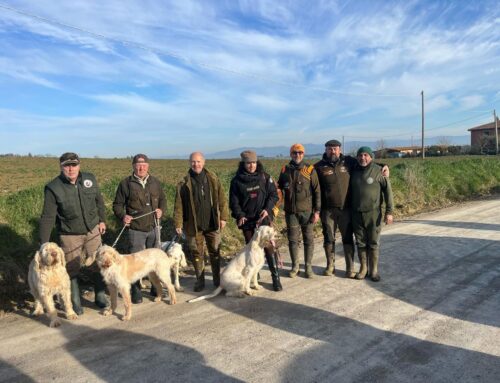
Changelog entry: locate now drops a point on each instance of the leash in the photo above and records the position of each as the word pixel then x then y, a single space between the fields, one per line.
pixel 125 225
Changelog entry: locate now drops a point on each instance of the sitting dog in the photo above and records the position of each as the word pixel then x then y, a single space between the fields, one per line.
pixel 47 276
pixel 238 276
pixel 174 250
pixel 119 271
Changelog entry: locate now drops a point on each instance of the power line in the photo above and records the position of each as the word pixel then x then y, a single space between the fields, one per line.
pixel 191 62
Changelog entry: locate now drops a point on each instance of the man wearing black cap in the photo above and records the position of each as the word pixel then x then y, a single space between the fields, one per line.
pixel 334 173
pixel 368 185
pixel 136 196
pixel 74 203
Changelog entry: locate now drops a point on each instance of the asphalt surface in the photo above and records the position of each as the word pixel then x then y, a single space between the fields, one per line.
pixel 434 317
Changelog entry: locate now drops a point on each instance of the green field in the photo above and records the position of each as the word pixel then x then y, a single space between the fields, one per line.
pixel 418 186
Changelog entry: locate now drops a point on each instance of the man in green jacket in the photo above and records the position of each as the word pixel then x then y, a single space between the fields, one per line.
pixel 368 186
pixel 74 203
pixel 136 196
pixel 201 212
pixel 299 184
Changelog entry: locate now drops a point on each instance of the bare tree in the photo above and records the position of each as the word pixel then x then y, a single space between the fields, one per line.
pixel 380 144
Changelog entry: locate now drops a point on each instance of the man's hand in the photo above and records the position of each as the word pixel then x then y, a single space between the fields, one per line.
pixel 315 217
pixel 385 171
pixel 102 228
pixel 222 224
pixel 242 221
pixel 388 219
pixel 159 213
pixel 127 219
pixel 178 230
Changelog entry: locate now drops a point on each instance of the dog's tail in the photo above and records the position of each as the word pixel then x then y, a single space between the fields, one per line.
pixel 216 292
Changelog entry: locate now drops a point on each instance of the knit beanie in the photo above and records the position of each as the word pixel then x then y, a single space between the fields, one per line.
pixel 365 149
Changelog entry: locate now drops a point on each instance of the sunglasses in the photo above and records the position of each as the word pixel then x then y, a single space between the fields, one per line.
pixel 297 152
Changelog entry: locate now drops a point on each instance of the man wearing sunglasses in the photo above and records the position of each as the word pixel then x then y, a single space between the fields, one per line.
pixel 74 203
pixel 299 184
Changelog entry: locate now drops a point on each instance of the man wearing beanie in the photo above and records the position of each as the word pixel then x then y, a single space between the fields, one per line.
pixel 74 203
pixel 368 185
pixel 334 171
pixel 299 184
pixel 201 213
pixel 252 198
pixel 136 196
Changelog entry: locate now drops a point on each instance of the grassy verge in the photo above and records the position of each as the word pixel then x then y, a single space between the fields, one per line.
pixel 418 186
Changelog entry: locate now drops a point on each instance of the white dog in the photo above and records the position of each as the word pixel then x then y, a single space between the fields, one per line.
pixel 174 250
pixel 238 276
pixel 47 276
pixel 119 271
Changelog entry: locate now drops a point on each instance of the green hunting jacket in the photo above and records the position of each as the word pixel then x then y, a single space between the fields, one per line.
pixel 368 186
pixel 185 209
pixel 75 208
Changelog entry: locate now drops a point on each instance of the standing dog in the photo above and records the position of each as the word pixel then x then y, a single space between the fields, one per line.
pixel 242 271
pixel 47 276
pixel 119 271
pixel 174 250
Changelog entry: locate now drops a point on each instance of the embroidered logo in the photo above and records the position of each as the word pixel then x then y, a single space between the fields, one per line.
pixel 88 183
pixel 369 180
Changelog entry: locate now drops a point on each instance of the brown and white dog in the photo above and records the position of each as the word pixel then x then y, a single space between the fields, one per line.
pixel 119 271
pixel 47 276
pixel 240 274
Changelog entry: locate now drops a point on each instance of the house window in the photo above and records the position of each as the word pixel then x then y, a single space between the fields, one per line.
pixel 486 133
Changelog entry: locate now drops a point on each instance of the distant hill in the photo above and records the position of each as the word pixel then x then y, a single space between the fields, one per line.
pixel 318 149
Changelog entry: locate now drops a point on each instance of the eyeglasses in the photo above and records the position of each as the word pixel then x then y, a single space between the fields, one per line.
pixel 298 153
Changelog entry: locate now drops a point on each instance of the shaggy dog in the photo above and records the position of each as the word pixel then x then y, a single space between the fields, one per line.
pixel 119 271
pixel 47 276
pixel 174 250
pixel 238 276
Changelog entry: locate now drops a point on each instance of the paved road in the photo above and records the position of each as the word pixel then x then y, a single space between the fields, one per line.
pixel 434 317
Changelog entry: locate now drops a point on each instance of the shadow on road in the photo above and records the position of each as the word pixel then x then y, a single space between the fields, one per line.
pixel 456 224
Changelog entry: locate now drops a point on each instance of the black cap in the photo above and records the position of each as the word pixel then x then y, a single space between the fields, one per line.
pixel 138 157
pixel 333 143
pixel 69 159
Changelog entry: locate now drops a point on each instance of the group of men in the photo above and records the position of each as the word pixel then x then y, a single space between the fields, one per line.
pixel 344 192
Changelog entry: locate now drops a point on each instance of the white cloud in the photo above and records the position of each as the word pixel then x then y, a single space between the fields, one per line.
pixel 472 101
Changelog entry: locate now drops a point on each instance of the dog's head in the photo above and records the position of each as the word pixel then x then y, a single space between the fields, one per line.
pixel 175 251
pixel 265 236
pixel 49 255
pixel 105 256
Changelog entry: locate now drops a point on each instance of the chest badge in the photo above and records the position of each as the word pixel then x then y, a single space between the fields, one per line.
pixel 88 183
pixel 369 180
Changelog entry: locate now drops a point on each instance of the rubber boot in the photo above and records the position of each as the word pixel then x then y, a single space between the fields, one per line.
pixel 215 264
pixel 273 268
pixel 100 299
pixel 349 260
pixel 75 296
pixel 308 256
pixel 294 255
pixel 330 260
pixel 153 291
pixel 199 270
pixel 362 260
pixel 136 293
pixel 373 255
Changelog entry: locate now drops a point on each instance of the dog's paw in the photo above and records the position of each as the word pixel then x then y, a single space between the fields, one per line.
pixel 257 287
pixel 173 300
pixel 55 322
pixel 71 316
pixel 37 312
pixel 179 289
pixel 249 292
pixel 106 312
pixel 157 299
pixel 126 317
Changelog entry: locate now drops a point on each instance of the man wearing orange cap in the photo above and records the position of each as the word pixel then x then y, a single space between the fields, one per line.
pixel 299 184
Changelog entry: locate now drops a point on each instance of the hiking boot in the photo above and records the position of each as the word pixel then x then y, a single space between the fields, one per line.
pixel 136 293
pixel 362 260
pixel 349 260
pixel 330 260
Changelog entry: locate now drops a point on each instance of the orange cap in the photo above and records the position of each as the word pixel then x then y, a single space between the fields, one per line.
pixel 297 148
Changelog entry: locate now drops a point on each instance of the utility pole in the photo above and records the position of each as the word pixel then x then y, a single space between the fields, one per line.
pixel 496 128
pixel 343 142
pixel 423 147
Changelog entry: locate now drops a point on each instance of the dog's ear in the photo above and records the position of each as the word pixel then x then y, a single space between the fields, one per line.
pixel 91 258
pixel 183 262
pixel 115 255
pixel 37 260
pixel 62 256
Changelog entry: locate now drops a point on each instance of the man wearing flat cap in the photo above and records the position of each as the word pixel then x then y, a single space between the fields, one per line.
pixel 334 171
pixel 370 190
pixel 74 203
pixel 299 184
pixel 136 196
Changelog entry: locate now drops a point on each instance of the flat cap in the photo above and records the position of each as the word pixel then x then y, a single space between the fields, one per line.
pixel 140 158
pixel 69 159
pixel 333 143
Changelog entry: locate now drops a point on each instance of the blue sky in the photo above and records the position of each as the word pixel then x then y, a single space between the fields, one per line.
pixel 114 78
